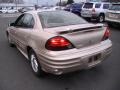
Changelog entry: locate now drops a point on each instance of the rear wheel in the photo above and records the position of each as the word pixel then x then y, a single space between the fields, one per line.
pixel 35 64
pixel 101 18
pixel 11 44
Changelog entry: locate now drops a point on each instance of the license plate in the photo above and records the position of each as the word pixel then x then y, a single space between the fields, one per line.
pixel 87 12
pixel 94 58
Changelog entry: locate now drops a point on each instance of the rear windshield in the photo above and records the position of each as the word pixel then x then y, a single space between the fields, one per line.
pixel 76 5
pixel 115 7
pixel 68 6
pixel 51 19
pixel 88 5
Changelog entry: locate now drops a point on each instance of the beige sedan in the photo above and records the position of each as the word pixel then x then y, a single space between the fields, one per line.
pixel 59 42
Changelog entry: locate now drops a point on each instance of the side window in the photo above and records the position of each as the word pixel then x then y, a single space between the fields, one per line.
pixel 105 6
pixel 97 5
pixel 19 20
pixel 28 21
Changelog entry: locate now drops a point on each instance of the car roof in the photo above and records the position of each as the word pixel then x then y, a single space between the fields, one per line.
pixel 76 3
pixel 99 2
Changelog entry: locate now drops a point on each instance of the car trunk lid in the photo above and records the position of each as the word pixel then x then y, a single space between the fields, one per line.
pixel 80 35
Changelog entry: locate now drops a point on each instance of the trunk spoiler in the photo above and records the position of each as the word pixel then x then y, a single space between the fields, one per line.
pixel 88 29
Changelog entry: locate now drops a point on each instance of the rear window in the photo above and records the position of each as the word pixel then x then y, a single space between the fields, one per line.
pixel 77 5
pixel 88 5
pixel 97 5
pixel 51 19
pixel 115 7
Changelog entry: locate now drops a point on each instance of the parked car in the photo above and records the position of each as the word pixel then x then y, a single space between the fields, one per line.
pixel 12 11
pixel 0 9
pixel 113 15
pixel 24 9
pixel 57 8
pixel 8 10
pixel 4 10
pixel 59 42
pixel 74 8
pixel 95 10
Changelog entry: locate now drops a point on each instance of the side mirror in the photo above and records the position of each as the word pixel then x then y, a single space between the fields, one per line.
pixel 11 24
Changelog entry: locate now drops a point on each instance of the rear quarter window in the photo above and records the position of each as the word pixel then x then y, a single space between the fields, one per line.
pixel 97 5
pixel 105 6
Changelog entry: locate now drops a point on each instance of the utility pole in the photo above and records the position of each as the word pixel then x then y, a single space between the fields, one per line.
pixel 37 3
pixel 60 4
pixel 16 3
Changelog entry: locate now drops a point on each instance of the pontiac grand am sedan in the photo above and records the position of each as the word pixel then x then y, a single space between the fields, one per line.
pixel 59 42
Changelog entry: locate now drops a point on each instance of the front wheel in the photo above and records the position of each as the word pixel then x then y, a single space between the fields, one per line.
pixel 35 64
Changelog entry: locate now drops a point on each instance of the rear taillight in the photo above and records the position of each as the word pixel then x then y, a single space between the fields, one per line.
pixel 93 10
pixel 58 43
pixel 106 34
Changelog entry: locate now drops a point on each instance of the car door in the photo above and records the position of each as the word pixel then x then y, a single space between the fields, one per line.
pixel 25 31
pixel 14 27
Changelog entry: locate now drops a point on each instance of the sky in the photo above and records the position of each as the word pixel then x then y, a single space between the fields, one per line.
pixel 50 2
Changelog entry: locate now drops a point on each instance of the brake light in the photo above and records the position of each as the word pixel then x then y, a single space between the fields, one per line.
pixel 93 10
pixel 58 43
pixel 106 34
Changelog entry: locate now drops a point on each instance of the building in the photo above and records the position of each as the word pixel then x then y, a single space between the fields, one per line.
pixel 13 5
pixel 12 1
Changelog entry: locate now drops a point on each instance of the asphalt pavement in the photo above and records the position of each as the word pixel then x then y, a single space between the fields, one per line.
pixel 16 73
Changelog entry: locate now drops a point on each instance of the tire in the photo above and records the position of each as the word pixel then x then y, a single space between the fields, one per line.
pixel 35 65
pixel 110 24
pixel 11 44
pixel 101 18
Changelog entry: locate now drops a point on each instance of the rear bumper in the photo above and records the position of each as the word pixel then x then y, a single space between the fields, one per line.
pixel 92 16
pixel 73 60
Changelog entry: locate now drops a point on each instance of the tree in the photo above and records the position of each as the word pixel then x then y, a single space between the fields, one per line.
pixel 70 1
pixel 62 3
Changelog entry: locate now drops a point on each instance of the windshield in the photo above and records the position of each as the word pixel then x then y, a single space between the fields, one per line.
pixel 115 7
pixel 88 5
pixel 77 5
pixel 68 6
pixel 51 19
